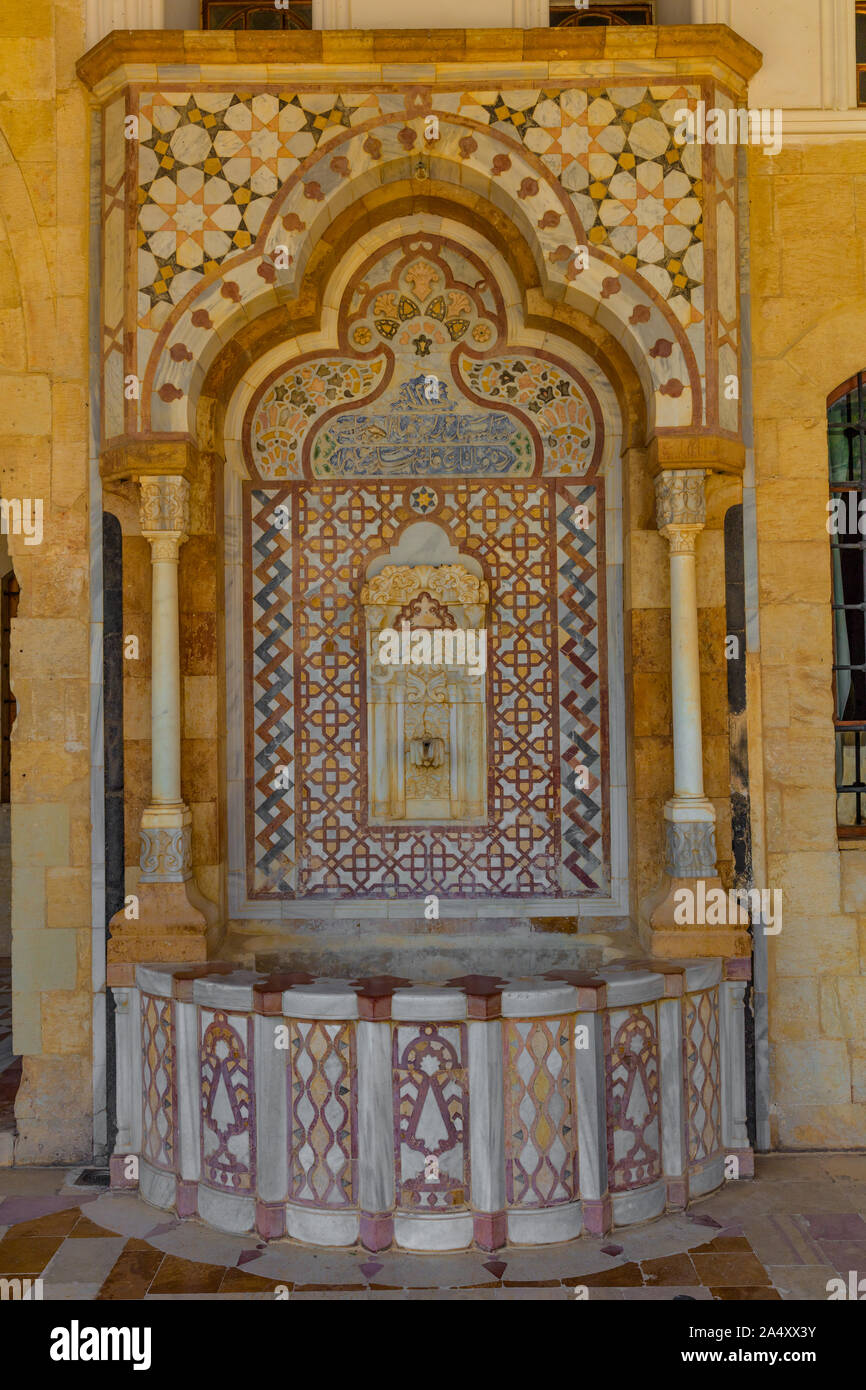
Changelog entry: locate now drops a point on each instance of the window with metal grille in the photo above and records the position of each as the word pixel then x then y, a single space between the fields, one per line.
pixel 253 14
pixel 846 426
pixel 626 13
pixel 860 22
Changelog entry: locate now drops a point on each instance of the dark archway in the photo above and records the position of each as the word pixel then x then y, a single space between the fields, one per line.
pixel 112 697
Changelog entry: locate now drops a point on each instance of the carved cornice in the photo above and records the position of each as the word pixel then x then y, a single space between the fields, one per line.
pixel 717 453
pixel 136 458
pixel 447 583
pixel 681 507
pixel 133 55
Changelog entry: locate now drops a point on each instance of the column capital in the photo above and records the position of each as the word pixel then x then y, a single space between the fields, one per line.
pixel 681 506
pixel 164 513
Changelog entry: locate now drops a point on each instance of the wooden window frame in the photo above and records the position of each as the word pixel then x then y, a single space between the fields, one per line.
pixel 247 6
pixel 643 10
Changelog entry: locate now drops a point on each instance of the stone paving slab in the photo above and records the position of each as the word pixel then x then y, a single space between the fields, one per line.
pixel 801 1281
pixel 83 1261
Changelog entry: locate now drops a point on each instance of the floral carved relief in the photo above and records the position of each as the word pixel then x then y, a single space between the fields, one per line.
pixel 408 393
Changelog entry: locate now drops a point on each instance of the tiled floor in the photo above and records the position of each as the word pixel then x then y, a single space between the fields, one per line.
pixel 783 1236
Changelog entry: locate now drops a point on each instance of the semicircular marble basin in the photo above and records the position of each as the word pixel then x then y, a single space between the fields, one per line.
pixel 380 1110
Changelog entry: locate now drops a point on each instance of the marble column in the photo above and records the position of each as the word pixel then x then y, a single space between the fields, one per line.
pixel 166 923
pixel 165 824
pixel 690 820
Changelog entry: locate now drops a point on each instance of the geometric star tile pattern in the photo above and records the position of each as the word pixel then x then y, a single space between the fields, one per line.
pixel 209 165
pixel 211 162
pixel 308 774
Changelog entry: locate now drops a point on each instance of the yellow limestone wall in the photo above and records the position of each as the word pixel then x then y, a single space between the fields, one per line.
pixel 44 184
pixel 808 246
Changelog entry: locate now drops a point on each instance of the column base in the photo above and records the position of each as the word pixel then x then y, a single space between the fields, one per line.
pixel 169 927
pixel 690 837
pixel 679 925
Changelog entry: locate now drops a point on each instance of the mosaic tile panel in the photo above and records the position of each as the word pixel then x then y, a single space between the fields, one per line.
pixel 540 1113
pixel 581 717
pixel 724 362
pixel 414 434
pixel 225 177
pixel 633 1134
pixel 510 529
pixel 210 163
pixel 703 1083
pixel 561 411
pixel 172 341
pixel 642 194
pixel 283 417
pixel 115 271
pixel 227 1091
pixel 414 407
pixel 323 1111
pixel 431 1116
pixel 272 659
pixel 159 1097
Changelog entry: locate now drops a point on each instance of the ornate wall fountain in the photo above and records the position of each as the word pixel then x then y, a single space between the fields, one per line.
pixel 379 331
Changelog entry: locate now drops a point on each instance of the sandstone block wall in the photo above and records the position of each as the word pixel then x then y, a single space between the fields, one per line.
pixel 808 247
pixel 44 182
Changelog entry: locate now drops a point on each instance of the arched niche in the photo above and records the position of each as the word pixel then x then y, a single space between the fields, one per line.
pixel 550 830
pixel 426 633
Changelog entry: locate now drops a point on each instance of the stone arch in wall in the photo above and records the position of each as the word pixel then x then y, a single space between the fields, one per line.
pixel 286 325
pixel 423 393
